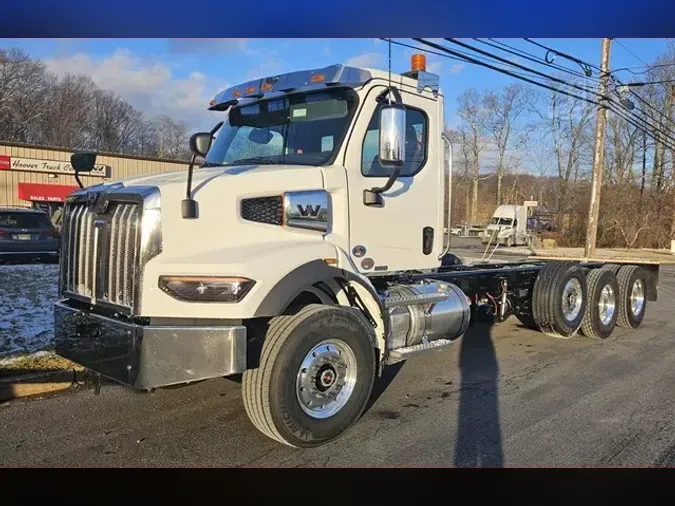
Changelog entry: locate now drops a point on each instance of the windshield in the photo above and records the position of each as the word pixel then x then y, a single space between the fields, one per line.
pixel 501 221
pixel 303 128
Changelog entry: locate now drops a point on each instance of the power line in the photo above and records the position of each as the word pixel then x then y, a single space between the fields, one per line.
pixel 527 69
pixel 464 58
pixel 584 65
pixel 648 68
pixel 582 62
pixel 529 56
pixel 422 49
pixel 631 52
pixel 504 71
pixel 645 127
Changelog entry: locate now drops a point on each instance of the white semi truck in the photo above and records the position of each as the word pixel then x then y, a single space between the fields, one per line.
pixel 508 227
pixel 309 250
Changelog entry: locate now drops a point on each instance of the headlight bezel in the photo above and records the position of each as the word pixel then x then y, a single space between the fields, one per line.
pixel 186 288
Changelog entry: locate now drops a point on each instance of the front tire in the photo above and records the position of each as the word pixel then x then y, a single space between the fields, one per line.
pixel 315 376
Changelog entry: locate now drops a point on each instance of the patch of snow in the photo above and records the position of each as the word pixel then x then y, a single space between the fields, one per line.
pixel 27 295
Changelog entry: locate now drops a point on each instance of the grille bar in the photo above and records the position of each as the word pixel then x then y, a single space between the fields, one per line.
pixel 99 253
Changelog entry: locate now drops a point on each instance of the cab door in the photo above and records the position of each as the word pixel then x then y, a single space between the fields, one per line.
pixel 407 231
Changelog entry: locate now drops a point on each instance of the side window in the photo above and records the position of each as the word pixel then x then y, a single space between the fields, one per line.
pixel 416 145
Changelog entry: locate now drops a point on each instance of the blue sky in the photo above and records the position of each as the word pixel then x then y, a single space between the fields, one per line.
pixel 179 76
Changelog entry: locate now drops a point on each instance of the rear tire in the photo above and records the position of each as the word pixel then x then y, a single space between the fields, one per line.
pixel 559 299
pixel 612 267
pixel 601 313
pixel 632 296
pixel 322 353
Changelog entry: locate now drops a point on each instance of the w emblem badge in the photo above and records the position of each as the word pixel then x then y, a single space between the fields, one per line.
pixel 309 210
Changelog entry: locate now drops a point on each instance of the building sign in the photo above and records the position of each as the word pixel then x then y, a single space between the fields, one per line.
pixel 35 192
pixel 48 166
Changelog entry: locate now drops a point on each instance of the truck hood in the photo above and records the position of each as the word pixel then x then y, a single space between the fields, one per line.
pixel 219 227
pixel 208 174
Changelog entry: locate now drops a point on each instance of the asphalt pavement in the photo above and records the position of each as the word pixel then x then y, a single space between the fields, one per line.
pixel 503 396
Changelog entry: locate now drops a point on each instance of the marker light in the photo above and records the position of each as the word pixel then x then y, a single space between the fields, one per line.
pixel 236 93
pixel 206 288
pixel 266 87
pixel 318 78
pixel 250 90
pixel 418 62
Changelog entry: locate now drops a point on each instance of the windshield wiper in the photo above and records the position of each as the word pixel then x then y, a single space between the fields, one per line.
pixel 255 159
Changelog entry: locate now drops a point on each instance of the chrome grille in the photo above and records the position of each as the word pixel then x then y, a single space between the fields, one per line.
pixel 99 253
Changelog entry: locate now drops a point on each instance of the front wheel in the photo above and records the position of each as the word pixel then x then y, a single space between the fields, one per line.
pixel 315 376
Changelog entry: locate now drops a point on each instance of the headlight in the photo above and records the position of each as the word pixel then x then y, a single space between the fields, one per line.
pixel 206 288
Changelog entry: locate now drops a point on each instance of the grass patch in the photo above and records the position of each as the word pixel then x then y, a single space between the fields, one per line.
pixel 29 364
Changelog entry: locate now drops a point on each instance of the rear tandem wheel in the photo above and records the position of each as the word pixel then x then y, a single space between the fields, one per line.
pixel 559 299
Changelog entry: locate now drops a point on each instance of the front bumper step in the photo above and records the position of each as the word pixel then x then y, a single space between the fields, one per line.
pixel 146 357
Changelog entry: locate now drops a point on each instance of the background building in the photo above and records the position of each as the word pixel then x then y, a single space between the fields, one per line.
pixel 41 177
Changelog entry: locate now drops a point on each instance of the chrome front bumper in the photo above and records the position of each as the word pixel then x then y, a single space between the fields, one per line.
pixel 147 357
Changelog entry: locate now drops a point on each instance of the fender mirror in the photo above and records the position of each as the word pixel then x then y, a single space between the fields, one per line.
pixel 200 143
pixel 82 162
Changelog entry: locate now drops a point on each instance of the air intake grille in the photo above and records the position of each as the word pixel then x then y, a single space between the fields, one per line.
pixel 263 210
pixel 99 262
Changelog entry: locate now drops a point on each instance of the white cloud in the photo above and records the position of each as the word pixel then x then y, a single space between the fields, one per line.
pixel 149 85
pixel 457 68
pixel 366 60
pixel 434 66
pixel 269 68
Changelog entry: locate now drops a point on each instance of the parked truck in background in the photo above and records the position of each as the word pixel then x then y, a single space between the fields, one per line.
pixel 308 251
pixel 508 227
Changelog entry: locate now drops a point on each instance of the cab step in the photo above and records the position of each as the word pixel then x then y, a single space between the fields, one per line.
pixel 401 354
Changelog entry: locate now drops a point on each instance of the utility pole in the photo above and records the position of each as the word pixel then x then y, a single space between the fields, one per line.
pixel 598 154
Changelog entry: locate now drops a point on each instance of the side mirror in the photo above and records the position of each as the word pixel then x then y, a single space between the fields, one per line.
pixel 200 143
pixel 83 162
pixel 392 135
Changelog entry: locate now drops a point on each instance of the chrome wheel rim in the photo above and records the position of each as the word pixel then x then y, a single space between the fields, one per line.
pixel 326 378
pixel 607 304
pixel 637 297
pixel 572 299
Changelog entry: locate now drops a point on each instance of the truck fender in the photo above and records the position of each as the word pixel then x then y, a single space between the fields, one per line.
pixel 307 275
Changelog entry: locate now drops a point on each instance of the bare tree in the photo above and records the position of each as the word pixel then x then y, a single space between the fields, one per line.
pixel 566 121
pixel 472 113
pixel 503 109
pixel 172 137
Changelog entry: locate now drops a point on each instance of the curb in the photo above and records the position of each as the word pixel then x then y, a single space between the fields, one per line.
pixel 29 385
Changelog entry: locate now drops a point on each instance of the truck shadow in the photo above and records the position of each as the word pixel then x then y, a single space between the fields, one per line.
pixel 478 441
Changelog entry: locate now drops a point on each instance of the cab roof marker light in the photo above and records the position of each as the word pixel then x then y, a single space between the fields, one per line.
pixel 283 83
